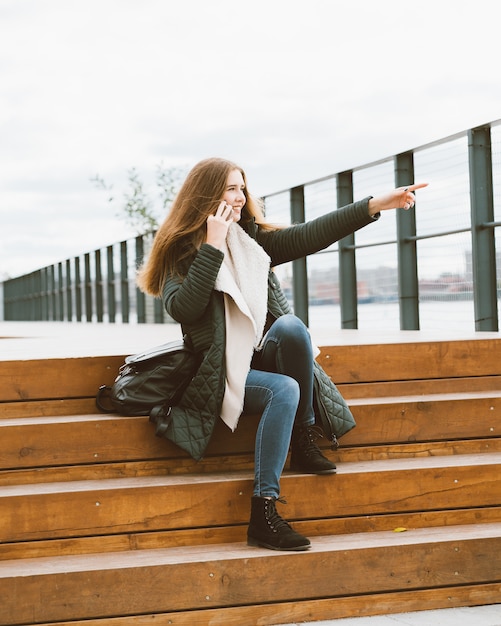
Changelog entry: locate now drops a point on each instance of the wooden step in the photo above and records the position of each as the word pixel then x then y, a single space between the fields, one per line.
pixel 423 387
pixel 145 504
pixel 120 542
pixel 312 610
pixel 78 439
pixel 102 523
pixel 420 386
pixel 75 440
pixel 49 379
pixel 409 361
pixel 76 378
pixel 237 462
pixel 425 418
pixel 193 579
pixel 59 406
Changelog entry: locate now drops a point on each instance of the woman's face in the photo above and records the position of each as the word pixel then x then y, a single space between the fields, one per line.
pixel 234 193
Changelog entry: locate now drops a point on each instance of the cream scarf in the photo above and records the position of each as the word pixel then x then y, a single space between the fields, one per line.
pixel 243 279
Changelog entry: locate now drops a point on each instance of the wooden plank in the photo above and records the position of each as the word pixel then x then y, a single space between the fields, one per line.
pixel 36 408
pixel 73 440
pixel 122 505
pixel 217 578
pixel 56 378
pixel 166 502
pixel 80 406
pixel 426 387
pixel 356 454
pixel 313 610
pixel 173 466
pixel 237 462
pixel 425 418
pixel 49 441
pixel 237 533
pixel 81 377
pixel 409 361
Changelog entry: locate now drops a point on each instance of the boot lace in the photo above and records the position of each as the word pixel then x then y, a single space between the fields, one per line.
pixel 307 441
pixel 274 520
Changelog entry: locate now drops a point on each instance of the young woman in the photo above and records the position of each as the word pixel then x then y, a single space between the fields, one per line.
pixel 211 263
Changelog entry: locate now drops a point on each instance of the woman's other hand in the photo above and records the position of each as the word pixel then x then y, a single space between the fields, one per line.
pixel 400 198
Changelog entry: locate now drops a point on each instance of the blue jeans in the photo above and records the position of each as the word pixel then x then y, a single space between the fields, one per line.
pixel 280 387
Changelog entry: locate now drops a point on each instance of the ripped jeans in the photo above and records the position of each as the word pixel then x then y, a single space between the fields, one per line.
pixel 280 387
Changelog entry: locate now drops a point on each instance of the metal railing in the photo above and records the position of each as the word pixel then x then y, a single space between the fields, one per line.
pixel 431 267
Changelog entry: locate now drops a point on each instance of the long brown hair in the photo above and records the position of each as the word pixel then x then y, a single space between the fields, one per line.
pixel 184 228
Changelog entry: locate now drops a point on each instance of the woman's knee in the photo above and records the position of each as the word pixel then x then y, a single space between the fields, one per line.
pixel 288 389
pixel 291 334
pixel 289 324
pixel 268 390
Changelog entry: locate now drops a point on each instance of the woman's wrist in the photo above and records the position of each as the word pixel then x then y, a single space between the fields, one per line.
pixel 373 207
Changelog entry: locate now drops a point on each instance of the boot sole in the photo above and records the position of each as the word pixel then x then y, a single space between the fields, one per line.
pixel 301 470
pixel 261 544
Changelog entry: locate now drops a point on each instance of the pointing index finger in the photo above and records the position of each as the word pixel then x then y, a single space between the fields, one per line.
pixel 416 186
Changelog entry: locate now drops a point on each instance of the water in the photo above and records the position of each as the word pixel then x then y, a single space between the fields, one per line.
pixel 452 316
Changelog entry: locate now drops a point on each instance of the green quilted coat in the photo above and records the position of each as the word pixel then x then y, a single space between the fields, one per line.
pixel 199 309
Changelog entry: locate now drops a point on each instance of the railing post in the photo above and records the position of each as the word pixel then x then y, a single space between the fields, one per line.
pixel 69 299
pixel 99 286
pixel 408 284
pixel 158 311
pixel 347 266
pixel 124 282
pixel 78 290
pixel 44 291
pixel 9 311
pixel 140 297
pixel 299 271
pixel 52 289
pixel 37 302
pixel 60 292
pixel 483 240
pixel 112 302
pixel 88 288
pixel 28 296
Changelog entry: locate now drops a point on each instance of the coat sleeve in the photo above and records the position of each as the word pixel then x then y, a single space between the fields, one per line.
pixel 186 299
pixel 301 240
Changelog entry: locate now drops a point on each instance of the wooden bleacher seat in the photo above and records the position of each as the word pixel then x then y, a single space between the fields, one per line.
pixel 103 523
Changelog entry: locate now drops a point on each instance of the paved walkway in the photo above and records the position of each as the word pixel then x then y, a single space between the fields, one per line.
pixel 466 616
pixel 39 340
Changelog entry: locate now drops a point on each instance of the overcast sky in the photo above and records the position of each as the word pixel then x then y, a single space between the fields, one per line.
pixel 292 90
